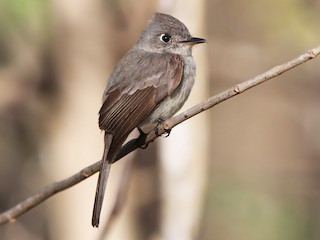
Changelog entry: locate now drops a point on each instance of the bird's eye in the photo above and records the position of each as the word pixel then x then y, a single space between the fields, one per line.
pixel 165 37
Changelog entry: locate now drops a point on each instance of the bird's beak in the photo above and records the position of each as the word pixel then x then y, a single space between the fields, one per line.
pixel 193 41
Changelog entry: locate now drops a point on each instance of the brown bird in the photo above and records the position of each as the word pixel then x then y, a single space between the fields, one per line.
pixel 148 85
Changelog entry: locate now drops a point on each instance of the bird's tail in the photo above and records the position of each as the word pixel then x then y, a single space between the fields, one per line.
pixel 102 181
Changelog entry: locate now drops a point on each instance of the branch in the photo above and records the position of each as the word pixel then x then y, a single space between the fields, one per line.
pixel 24 206
pixel 214 100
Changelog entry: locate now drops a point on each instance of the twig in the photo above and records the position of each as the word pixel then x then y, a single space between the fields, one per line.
pixel 24 206
pixel 214 100
pixel 48 191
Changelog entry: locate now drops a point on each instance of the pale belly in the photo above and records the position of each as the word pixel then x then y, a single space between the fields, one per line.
pixel 173 103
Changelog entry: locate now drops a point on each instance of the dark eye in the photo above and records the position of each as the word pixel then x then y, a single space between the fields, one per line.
pixel 165 37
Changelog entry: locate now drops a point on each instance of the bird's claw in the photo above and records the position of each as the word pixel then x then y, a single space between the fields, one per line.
pixel 156 129
pixel 167 131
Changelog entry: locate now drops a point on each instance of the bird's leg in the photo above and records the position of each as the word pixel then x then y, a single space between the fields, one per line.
pixel 156 130
pixel 142 138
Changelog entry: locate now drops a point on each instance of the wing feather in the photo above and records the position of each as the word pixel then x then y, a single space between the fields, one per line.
pixel 129 101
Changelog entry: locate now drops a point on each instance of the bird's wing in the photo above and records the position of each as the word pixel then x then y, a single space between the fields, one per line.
pixel 139 90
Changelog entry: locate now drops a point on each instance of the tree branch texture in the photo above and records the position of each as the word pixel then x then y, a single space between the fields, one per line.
pixel 13 213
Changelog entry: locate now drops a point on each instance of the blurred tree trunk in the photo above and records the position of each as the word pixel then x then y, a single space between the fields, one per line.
pixel 90 40
pixel 184 155
pixel 75 141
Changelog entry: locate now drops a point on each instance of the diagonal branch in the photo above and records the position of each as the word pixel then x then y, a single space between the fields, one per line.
pixel 24 206
pixel 214 100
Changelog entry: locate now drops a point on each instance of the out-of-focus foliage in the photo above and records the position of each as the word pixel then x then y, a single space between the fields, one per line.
pixel 22 20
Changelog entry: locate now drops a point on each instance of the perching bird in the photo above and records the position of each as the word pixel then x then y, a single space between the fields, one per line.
pixel 148 86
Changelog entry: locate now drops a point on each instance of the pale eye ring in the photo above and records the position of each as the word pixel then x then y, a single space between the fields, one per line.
pixel 165 37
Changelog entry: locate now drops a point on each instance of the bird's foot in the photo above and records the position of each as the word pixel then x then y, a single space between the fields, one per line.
pixel 168 131
pixel 166 128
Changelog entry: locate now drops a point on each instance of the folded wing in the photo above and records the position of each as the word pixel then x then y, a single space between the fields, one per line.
pixel 136 94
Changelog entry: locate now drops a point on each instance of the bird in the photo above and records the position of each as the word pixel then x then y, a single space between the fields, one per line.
pixel 147 86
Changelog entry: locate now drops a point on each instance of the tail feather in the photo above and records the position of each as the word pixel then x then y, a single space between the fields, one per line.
pixel 102 182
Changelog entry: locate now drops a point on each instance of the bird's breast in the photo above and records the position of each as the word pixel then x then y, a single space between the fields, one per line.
pixel 173 103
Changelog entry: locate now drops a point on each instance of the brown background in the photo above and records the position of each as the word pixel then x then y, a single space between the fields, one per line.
pixel 264 168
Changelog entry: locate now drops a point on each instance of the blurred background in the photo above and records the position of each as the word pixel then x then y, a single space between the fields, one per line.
pixel 247 169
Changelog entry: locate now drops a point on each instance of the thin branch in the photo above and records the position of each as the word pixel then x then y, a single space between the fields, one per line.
pixel 24 206
pixel 214 100
pixel 48 191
